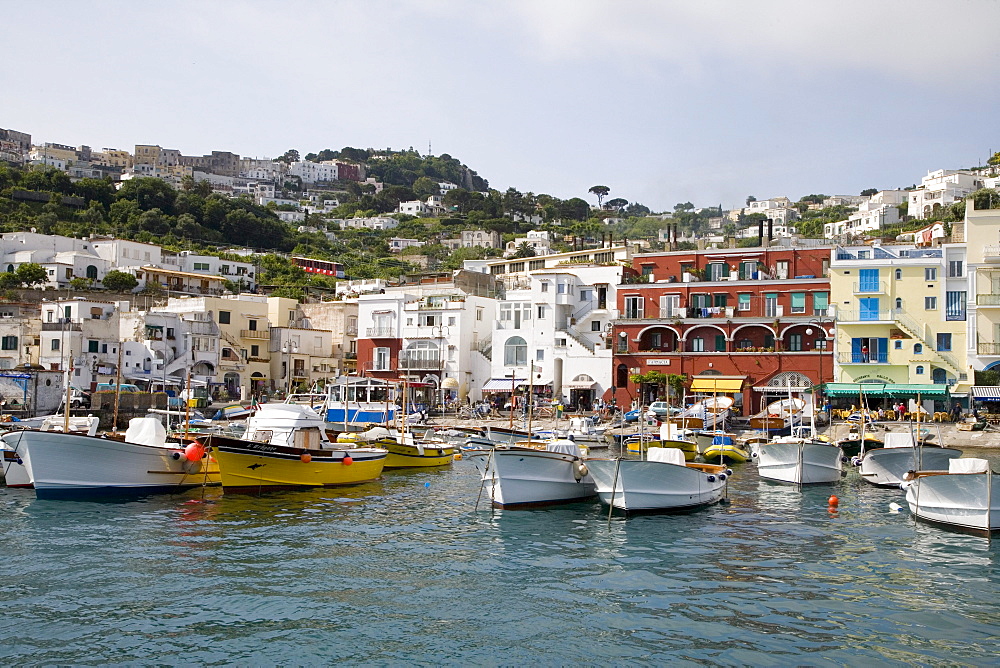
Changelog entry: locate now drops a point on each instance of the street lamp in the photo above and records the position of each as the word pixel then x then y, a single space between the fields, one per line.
pixel 822 323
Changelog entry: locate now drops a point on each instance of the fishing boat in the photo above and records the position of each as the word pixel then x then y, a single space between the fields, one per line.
pixel 726 449
pixel 405 451
pixel 663 481
pixel 857 441
pixel 534 474
pixel 965 497
pixel 779 417
pixel 352 404
pixel 800 460
pixel 887 466
pixel 287 447
pixel 709 413
pixel 69 465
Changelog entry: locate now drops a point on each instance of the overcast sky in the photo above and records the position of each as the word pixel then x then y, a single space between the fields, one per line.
pixel 663 102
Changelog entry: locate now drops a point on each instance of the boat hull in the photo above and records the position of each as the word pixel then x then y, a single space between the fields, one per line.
pixel 799 463
pixel 525 478
pixel 634 485
pixel 61 465
pixel 248 466
pixel 727 453
pixel 689 448
pixel 409 456
pixel 962 501
pixel 887 467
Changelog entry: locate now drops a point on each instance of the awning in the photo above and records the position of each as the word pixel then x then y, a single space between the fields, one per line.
pixel 777 389
pixel 913 390
pixel 502 384
pixel 853 389
pixel 986 393
pixel 579 384
pixel 711 384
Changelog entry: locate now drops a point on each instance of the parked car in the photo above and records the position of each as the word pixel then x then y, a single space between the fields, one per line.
pixel 124 387
pixel 661 410
pixel 78 398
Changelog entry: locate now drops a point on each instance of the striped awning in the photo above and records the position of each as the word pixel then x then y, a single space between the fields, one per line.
pixel 986 393
pixel 502 384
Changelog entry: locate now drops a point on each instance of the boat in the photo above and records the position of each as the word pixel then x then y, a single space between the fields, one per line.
pixel 534 474
pixel 663 481
pixel 15 473
pixel 800 460
pixel 710 413
pixel 966 497
pixel 779 417
pixel 726 449
pixel 405 451
pixel 887 466
pixel 69 465
pixel 856 442
pixel 287 447
pixel 359 402
pixel 233 412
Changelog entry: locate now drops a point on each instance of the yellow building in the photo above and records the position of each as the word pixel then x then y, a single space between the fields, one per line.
pixel 901 315
pixel 982 231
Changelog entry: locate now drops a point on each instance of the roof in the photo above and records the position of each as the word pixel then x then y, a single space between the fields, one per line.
pixel 501 384
pixel 183 274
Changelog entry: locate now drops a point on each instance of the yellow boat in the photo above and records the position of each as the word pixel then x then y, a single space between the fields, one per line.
pixel 404 452
pixel 287 448
pixel 730 452
pixel 671 436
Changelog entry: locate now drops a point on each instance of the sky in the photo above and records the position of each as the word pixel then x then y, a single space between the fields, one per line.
pixel 663 102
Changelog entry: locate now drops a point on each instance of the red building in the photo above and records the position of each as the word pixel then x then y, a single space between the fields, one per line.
pixel 753 318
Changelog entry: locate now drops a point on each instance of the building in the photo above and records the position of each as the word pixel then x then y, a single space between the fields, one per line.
pixel 340 318
pixel 901 315
pixel 540 241
pixel 242 274
pixel 941 188
pixel 756 317
pixel 777 209
pixel 82 335
pixel 397 244
pixel 874 213
pixel 20 327
pixel 223 163
pixel 14 146
pixel 372 223
pixel 982 234
pixel 63 258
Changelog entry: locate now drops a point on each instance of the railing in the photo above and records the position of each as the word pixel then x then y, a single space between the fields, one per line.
pixel 988 300
pixel 380 333
pixel 61 326
pixel 988 348
pixel 918 331
pixel 864 316
pixel 420 362
pixel 263 334
pixel 863 358
pixel 991 252
pixel 871 287
pixel 350 356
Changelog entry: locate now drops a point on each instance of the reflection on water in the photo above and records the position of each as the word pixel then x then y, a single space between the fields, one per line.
pixel 403 570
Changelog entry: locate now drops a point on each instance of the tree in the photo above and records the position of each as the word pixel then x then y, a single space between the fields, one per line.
pixel 751 198
pixel 119 281
pixel 995 159
pixel 600 191
pixel 30 274
pixel 868 192
pixel 424 187
pixel 617 203
pixel 675 381
pixel 637 210
pixel 290 156
pixel 524 249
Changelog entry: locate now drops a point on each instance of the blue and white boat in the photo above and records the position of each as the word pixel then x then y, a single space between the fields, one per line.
pixel 358 402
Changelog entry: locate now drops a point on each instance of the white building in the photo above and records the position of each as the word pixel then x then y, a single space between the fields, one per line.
pixel 538 240
pixel 874 213
pixel 241 273
pixel 82 334
pixel 396 244
pixel 941 188
pixel 777 209
pixel 373 223
pixel 314 172
pixel 63 258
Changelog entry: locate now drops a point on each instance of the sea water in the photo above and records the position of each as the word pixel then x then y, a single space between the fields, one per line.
pixel 407 570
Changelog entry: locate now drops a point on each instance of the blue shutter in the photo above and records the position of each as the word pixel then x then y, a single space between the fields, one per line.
pixel 869 280
pixel 883 351
pixel 856 351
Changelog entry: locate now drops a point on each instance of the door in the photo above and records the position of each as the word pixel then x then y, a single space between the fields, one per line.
pixel 868 308
pixel 771 305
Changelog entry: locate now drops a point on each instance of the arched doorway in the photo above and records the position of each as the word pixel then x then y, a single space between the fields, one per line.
pixel 232 384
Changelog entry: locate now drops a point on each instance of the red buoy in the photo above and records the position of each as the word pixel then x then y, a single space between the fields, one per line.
pixel 194 452
pixel 347 460
pixel 306 457
pixel 834 501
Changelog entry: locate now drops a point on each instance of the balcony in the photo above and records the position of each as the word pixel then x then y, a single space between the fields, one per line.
pixel 261 334
pixel 871 288
pixel 860 358
pixel 991 253
pixel 421 362
pixel 380 333
pixel 987 300
pixel 988 348
pixel 865 316
pixel 61 327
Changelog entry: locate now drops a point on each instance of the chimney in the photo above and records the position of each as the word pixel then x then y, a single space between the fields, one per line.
pixel 770 230
pixel 760 233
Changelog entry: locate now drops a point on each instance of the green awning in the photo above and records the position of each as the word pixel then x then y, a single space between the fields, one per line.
pixel 913 390
pixel 854 389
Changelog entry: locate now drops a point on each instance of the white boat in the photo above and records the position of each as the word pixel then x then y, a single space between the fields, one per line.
pixel 711 412
pixel 780 417
pixel 519 476
pixel 359 402
pixel 69 465
pixel 14 472
pixel 799 460
pixel 966 497
pixel 887 466
pixel 663 481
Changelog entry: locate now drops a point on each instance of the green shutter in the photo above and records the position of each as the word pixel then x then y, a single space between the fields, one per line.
pixel 744 299
pixel 820 301
pixel 799 300
pixel 720 343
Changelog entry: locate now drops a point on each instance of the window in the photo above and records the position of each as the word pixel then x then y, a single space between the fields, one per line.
pixel 254 351
pixel 8 343
pixel 798 302
pixel 868 280
pixel 720 343
pixel 633 307
pixel 92 346
pixel 224 317
pixel 944 341
pixel 899 274
pixel 954 269
pixel 698 345
pixel 721 299
pixel 539 355
pixel 545 286
pixel 252 325
pixel 821 303
pixel 930 303
pixel 479 313
pixel 55 344
pixel 540 313
pixel 897 345
pixel 380 359
pixel 795 342
pixel 718 271
pixel 451 321
pixel 104 348
pixel 744 303
pixel 899 303
pixel 954 304
pixel 201 266
pixel 595 326
pixel 622 342
pixel 918 348
pixel 920 370
pixel 930 273
pixel 515 352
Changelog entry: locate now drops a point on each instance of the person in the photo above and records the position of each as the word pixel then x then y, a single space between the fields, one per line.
pixel 901 411
pixel 864 354
pixel 956 413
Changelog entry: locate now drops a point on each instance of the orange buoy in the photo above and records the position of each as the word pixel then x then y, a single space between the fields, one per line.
pixel 833 501
pixel 347 460
pixel 458 455
pixel 194 451
pixel 306 457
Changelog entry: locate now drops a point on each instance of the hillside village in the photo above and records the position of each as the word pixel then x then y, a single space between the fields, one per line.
pixel 259 277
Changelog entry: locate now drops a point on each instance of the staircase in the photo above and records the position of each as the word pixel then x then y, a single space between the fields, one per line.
pixel 916 331
pixel 589 347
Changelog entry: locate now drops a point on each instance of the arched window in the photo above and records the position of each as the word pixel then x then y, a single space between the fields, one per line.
pixel 10 269
pixel 899 302
pixel 515 352
pixel 918 348
pixel 899 274
pixel 940 376
pixel 920 370
pixel 621 376
pixel 92 272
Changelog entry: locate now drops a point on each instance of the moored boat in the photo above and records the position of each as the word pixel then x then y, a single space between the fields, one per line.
pixel 539 474
pixel 779 417
pixel 799 460
pixel 662 482
pixel 725 449
pixel 405 451
pixel 286 447
pixel 887 466
pixel 966 497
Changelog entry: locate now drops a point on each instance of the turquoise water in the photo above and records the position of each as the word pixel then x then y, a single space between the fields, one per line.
pixel 406 571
